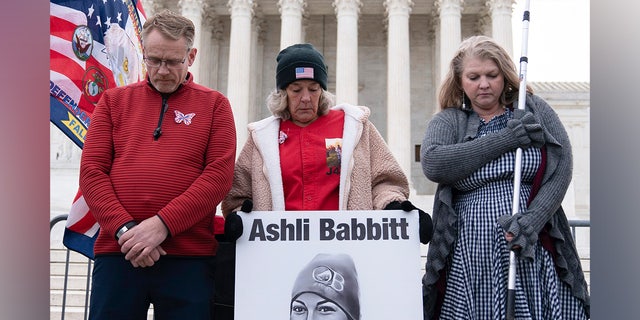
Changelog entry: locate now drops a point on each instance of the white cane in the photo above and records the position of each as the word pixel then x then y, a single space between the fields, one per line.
pixel 522 99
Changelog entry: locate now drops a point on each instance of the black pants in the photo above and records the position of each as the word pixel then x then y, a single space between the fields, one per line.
pixel 225 280
pixel 178 288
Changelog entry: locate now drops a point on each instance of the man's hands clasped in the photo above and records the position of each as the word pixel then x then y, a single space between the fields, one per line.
pixel 141 244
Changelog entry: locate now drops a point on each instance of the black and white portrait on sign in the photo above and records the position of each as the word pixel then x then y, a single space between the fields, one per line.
pixel 326 289
pixel 329 265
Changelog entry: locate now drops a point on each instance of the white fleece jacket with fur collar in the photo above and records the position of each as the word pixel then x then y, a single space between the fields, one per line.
pixel 370 178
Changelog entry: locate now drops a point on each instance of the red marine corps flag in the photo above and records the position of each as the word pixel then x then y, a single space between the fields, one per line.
pixel 95 45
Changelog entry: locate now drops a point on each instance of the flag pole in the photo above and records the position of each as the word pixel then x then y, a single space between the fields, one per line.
pixel 522 99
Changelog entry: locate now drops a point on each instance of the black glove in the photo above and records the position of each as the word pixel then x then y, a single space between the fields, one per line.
pixel 233 223
pixel 393 205
pixel 526 129
pixel 247 206
pixel 232 226
pixel 426 225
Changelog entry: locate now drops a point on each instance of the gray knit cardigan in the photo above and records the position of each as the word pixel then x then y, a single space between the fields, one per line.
pixel 449 154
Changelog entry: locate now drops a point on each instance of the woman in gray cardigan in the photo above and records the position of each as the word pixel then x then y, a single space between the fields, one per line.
pixel 469 150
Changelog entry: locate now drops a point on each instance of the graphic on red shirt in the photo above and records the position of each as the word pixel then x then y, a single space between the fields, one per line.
pixel 334 154
pixel 310 162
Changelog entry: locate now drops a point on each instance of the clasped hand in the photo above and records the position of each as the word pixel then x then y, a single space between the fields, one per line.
pixel 141 244
pixel 509 237
pixel 526 129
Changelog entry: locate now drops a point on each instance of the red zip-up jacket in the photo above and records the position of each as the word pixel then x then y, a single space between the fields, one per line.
pixel 126 174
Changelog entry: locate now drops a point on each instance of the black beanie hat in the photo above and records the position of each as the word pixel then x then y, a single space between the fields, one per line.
pixel 333 277
pixel 300 61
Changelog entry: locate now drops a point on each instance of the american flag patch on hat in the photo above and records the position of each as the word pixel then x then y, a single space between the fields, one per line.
pixel 304 73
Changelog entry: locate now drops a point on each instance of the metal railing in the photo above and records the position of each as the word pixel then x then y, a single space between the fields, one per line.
pixel 578 224
pixel 572 223
pixel 54 221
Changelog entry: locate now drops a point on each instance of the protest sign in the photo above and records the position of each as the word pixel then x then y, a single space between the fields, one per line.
pixel 282 254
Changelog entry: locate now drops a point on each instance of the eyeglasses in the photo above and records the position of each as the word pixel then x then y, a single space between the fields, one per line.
pixel 170 63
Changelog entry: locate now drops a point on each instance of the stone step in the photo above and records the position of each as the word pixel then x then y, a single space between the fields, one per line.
pixel 586 265
pixel 70 313
pixel 60 255
pixel 73 282
pixel 77 313
pixel 76 269
pixel 73 299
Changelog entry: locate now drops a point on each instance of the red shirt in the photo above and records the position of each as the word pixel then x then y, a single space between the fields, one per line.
pixel 310 162
pixel 182 176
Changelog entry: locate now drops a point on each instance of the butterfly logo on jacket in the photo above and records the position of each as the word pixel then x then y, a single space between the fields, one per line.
pixel 186 118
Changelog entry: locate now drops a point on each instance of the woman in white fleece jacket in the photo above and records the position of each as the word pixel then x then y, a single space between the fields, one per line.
pixel 369 176
pixel 311 155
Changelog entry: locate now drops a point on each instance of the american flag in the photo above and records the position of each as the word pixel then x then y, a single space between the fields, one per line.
pixel 95 45
pixel 304 73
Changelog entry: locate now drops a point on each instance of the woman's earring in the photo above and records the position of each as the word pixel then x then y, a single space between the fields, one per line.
pixel 464 105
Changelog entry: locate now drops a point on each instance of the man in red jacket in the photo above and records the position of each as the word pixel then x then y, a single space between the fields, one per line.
pixel 157 160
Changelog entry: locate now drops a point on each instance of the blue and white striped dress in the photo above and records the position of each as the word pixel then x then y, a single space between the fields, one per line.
pixel 478 269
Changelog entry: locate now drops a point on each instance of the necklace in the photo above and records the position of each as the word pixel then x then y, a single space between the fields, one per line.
pixel 489 116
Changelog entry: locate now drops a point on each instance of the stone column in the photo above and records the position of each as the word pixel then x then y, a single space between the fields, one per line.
pixel 217 30
pixel 239 64
pixel 399 82
pixel 204 51
pixel 347 12
pixel 450 12
pixel 305 25
pixel 192 9
pixel 209 64
pixel 258 34
pixel 501 27
pixel 291 12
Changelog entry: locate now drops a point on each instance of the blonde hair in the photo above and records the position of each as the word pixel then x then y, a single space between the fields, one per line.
pixel 278 104
pixel 450 95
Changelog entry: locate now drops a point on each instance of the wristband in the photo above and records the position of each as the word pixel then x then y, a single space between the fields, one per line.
pixel 127 226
